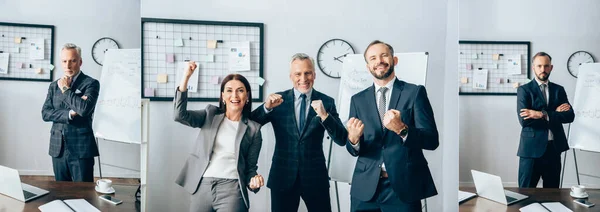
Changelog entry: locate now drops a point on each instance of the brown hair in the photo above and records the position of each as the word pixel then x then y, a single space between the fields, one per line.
pixel 541 54
pixel 375 42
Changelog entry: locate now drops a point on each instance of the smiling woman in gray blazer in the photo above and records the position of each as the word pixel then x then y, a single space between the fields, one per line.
pixel 222 164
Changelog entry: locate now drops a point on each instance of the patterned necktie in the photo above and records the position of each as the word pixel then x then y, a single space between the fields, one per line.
pixel 302 112
pixel 544 93
pixel 382 103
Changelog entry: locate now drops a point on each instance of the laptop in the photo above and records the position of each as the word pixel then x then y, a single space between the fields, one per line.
pixel 12 186
pixel 490 187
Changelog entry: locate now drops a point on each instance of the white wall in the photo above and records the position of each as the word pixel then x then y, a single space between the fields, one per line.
pixel 489 128
pixel 407 25
pixel 24 136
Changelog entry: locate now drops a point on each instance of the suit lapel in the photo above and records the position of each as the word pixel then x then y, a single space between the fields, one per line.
pixel 78 81
pixel 538 91
pixel 239 136
pixel 217 119
pixel 311 113
pixel 551 93
pixel 397 88
pixel 288 102
pixel 374 116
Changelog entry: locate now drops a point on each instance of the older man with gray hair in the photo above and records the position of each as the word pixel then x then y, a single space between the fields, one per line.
pixel 298 169
pixel 70 105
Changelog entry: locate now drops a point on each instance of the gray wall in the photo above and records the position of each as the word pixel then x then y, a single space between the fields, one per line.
pixel 489 128
pixel 24 136
pixel 409 26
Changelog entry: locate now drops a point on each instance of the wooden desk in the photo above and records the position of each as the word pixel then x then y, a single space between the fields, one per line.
pixel 72 190
pixel 535 195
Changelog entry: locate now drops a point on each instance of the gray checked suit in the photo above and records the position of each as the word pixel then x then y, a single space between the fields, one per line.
pixel 75 137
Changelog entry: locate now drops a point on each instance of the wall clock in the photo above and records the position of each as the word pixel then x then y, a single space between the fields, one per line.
pixel 330 57
pixel 101 46
pixel 576 59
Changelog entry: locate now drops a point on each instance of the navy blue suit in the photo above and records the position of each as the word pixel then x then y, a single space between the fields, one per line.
pixel 538 156
pixel 409 175
pixel 298 167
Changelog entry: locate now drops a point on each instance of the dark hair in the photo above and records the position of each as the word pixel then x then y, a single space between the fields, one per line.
pixel 239 77
pixel 541 54
pixel 375 42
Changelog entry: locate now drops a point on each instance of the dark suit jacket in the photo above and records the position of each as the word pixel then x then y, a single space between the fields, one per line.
pixel 534 132
pixel 404 161
pixel 248 142
pixel 300 153
pixel 77 133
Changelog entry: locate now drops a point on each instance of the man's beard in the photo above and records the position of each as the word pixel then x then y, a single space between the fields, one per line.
pixel 543 78
pixel 385 75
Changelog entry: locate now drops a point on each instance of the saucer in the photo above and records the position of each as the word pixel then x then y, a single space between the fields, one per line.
pixel 110 190
pixel 585 195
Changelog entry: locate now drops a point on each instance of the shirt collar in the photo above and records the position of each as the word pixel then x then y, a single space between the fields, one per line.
pixel 389 85
pixel 297 93
pixel 539 82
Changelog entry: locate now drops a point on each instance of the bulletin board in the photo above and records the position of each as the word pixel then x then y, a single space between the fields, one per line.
pixel 217 47
pixel 26 52
pixel 493 67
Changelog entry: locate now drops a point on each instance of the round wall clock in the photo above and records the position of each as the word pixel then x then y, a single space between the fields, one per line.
pixel 330 57
pixel 576 59
pixel 101 46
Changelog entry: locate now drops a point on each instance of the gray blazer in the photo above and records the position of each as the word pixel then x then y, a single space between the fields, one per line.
pixel 248 142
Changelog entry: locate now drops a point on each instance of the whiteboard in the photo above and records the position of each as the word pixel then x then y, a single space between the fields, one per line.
pixel 355 77
pixel 118 112
pixel 584 132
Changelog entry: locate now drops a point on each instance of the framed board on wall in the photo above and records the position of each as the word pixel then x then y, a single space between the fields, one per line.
pixel 219 49
pixel 26 52
pixel 493 67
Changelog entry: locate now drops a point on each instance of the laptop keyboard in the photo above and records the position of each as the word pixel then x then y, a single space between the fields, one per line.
pixel 28 194
pixel 510 199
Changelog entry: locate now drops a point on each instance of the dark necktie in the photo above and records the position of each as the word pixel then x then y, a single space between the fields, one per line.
pixel 302 112
pixel 382 103
pixel 544 93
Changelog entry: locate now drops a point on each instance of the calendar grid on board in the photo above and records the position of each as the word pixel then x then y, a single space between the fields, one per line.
pixel 160 43
pixel 15 39
pixel 492 56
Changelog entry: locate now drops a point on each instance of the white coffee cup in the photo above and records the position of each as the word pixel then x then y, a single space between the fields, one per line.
pixel 104 184
pixel 578 190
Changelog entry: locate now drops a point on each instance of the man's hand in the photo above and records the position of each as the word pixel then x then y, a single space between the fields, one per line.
pixel 84 97
pixel 256 182
pixel 392 121
pixel 355 129
pixel 317 105
pixel 72 113
pixel 531 114
pixel 65 81
pixel 273 101
pixel 564 107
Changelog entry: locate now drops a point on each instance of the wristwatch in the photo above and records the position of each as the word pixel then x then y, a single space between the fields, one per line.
pixel 404 131
pixel 64 88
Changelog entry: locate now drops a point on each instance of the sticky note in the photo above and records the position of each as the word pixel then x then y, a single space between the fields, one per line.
pixel 16 50
pixel 162 78
pixel 495 65
pixel 17 39
pixel 51 67
pixel 515 85
pixel 39 71
pixel 209 58
pixel 469 66
pixel 500 80
pixel 211 44
pixel 464 80
pixel 178 42
pixel 260 81
pixel 170 58
pixel 20 65
pixel 214 80
pixel 474 56
pixel 149 92
pixel 495 56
